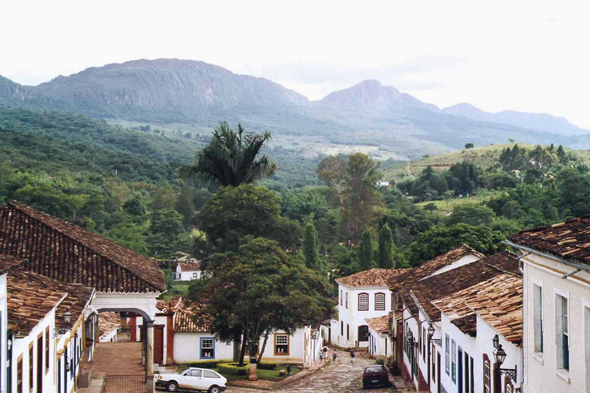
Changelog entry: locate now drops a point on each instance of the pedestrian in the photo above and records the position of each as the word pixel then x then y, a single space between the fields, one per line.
pixel 325 349
pixel 321 356
pixel 352 356
pixel 334 356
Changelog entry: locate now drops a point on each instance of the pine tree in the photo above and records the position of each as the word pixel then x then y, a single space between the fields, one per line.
pixel 184 204
pixel 366 250
pixel 386 248
pixel 311 247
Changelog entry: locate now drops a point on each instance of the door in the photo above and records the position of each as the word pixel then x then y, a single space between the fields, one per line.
pixel 40 364
pixel 158 344
pixel 438 372
pixel 363 333
pixel 194 379
pixel 460 371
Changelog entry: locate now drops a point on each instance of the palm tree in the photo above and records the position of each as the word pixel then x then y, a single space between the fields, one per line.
pixel 230 158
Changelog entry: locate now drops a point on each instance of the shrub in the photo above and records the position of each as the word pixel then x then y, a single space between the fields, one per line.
pixel 380 361
pixel 268 365
pixel 207 363
pixel 233 368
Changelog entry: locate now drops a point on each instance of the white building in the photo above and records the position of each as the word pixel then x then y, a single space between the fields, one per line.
pixel 420 360
pixel 188 271
pixel 360 296
pixel 470 319
pixel 556 306
pixel 379 339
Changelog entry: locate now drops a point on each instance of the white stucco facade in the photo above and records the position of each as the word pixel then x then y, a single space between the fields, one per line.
pixel 188 274
pixel 543 368
pixel 345 330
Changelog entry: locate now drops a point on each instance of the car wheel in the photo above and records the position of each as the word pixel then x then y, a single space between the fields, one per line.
pixel 172 387
pixel 214 389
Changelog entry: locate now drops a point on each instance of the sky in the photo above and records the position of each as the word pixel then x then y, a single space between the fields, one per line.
pixel 531 56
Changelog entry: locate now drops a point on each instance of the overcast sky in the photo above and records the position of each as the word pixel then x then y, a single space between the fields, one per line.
pixel 531 56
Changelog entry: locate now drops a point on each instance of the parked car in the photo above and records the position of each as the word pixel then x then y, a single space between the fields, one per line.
pixel 193 378
pixel 376 375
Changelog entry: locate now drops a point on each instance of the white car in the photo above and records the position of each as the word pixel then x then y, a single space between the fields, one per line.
pixel 193 378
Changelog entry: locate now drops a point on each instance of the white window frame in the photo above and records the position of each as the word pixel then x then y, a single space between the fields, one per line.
pixel 453 361
pixel 538 330
pixel 559 295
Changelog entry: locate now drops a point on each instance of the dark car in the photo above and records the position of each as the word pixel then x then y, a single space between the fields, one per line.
pixel 376 375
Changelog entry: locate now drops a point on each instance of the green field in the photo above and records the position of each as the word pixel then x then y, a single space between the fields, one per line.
pixel 446 206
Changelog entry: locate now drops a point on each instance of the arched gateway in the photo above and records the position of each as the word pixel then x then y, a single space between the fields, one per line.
pixel 123 279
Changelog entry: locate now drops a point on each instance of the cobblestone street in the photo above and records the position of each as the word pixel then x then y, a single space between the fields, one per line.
pixel 339 377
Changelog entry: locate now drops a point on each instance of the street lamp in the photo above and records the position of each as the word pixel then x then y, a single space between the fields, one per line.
pixel 496 341
pixel 499 357
pixel 437 341
pixel 430 331
pixel 67 321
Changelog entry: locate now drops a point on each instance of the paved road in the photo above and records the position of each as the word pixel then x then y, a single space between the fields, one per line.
pixel 339 377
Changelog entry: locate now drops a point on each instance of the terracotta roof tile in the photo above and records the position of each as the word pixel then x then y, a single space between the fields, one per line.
pixel 190 266
pixel 422 293
pixel 8 262
pixel 569 239
pixel 107 322
pixel 379 324
pixel 192 320
pixel 66 252
pixel 431 266
pixel 370 278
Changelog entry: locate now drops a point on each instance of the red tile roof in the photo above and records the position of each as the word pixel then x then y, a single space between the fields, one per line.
pixel 424 292
pixel 430 267
pixel 8 262
pixel 66 252
pixel 107 322
pixel 379 324
pixel 370 278
pixel 570 239
pixel 190 266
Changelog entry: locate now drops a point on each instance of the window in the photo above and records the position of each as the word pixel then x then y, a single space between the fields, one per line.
pixel 392 301
pixel 207 348
pixel 562 330
pixel 487 380
pixel 46 349
pixel 472 376
pixel 346 296
pixel 538 316
pixel 447 353
pixel 342 328
pixel 453 361
pixel 281 344
pixel 195 275
pixel 466 372
pixel 363 302
pixel 379 302
pixel 347 332
pixel 341 298
pixel 195 373
pixel 31 364
pixel 210 374
pixel 433 374
pixel 423 344
pixel 19 375
pixel 508 387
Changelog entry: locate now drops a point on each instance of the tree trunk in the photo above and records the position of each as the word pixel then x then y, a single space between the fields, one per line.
pixel 237 348
pixel 243 349
pixel 253 376
pixel 263 347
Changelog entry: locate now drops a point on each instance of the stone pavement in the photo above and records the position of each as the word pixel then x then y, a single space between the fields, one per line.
pixel 339 377
pixel 118 358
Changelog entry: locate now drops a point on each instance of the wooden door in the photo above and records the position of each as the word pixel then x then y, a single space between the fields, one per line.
pixel 438 372
pixel 159 344
pixel 40 364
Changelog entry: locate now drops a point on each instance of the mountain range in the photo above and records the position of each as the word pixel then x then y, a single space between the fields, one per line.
pixel 171 91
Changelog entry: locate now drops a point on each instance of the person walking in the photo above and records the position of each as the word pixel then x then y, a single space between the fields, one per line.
pixel 334 356
pixel 352 357
pixel 325 350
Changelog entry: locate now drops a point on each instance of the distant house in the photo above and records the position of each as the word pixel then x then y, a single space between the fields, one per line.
pixel 383 184
pixel 188 271
pixel 556 284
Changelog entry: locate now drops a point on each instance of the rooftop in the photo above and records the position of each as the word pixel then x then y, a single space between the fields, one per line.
pixel 190 266
pixel 430 267
pixel 422 293
pixel 107 322
pixel 370 278
pixel 79 255
pixel 570 239
pixel 8 262
pixel 379 324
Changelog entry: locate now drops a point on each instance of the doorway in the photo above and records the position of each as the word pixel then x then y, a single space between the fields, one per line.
pixel 460 371
pixel 158 344
pixel 40 363
pixel 438 372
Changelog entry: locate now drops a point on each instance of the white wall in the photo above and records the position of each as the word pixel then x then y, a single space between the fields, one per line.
pixel 541 369
pixel 187 348
pixel 21 348
pixel 354 318
pixel 379 344
pixel 186 275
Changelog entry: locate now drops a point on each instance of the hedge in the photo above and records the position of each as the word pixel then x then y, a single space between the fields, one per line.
pixel 207 363
pixel 268 365
pixel 233 368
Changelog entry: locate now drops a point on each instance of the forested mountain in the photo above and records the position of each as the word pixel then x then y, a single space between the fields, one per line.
pixel 199 95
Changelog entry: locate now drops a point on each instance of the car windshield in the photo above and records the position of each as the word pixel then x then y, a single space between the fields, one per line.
pixel 374 370
pixel 195 373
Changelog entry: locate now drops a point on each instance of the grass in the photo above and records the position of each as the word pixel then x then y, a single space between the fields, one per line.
pixel 178 288
pixel 268 375
pixel 445 206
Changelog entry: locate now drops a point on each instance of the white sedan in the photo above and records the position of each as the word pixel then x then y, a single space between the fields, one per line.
pixel 193 378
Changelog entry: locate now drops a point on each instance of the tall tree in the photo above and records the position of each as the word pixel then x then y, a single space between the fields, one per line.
pixel 386 248
pixel 230 159
pixel 366 250
pixel 184 204
pixel 311 247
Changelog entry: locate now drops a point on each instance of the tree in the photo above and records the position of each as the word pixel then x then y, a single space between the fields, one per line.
pixel 230 159
pixel 165 228
pixel 311 247
pixel 366 250
pixel 236 212
pixel 469 145
pixel 163 198
pixel 386 248
pixel 258 289
pixel 472 214
pixel 439 240
pixel 184 204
